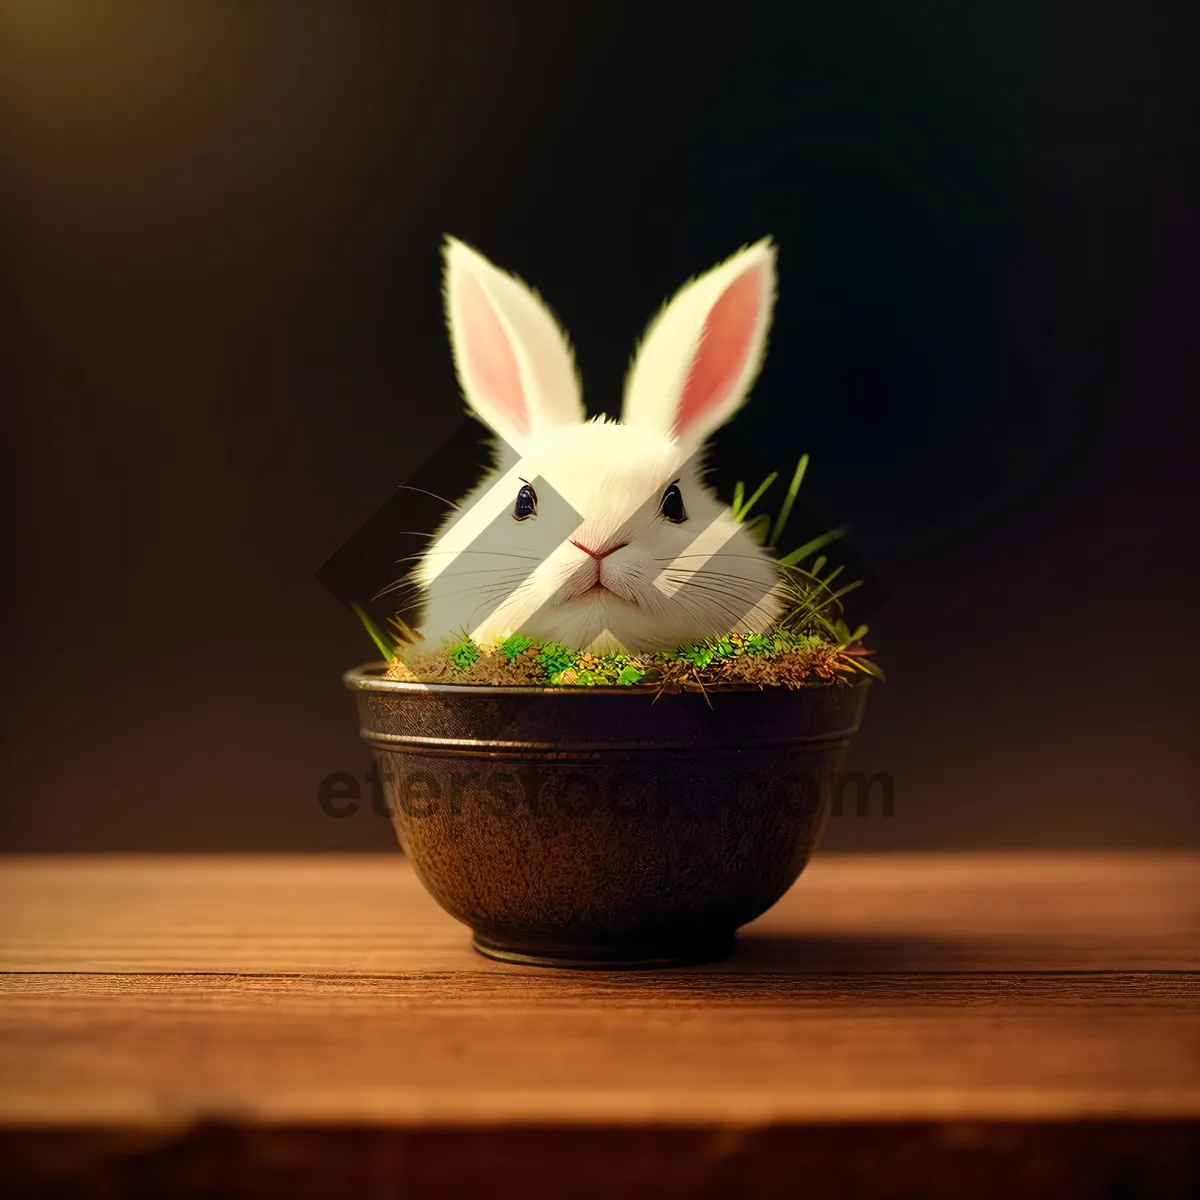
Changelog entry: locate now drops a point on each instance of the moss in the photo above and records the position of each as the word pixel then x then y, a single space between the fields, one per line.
pixel 778 659
pixel 512 647
pixel 464 653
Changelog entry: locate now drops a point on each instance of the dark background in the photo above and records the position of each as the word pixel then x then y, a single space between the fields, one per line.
pixel 221 226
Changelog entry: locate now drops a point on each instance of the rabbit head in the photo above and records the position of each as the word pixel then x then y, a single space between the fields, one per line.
pixel 601 534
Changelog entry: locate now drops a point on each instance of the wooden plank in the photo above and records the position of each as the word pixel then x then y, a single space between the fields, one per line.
pixel 369 915
pixel 983 1025
pixel 456 1048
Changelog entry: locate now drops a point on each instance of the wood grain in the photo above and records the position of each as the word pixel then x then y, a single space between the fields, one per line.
pixel 166 1011
pixel 147 1050
pixel 359 915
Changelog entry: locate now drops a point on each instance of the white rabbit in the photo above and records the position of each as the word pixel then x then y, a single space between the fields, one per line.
pixel 601 534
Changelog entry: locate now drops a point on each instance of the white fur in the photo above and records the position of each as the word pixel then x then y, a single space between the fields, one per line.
pixel 547 366
pixel 660 367
pixel 598 483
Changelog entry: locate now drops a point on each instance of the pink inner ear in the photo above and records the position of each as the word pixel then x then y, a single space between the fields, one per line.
pixel 490 363
pixel 724 348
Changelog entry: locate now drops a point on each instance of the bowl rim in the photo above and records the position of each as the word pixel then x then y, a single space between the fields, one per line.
pixel 368 677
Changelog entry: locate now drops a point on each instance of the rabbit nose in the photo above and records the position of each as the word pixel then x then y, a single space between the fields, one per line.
pixel 599 554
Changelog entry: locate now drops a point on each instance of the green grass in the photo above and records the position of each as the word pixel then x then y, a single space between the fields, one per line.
pixel 813 604
pixel 385 644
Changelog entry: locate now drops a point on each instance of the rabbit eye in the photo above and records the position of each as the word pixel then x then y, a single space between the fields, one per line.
pixel 526 505
pixel 671 505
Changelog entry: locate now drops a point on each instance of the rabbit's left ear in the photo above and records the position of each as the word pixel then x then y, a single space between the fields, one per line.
pixel 702 353
pixel 513 361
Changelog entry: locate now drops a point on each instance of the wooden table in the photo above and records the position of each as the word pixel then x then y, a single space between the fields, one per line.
pixel 315 1026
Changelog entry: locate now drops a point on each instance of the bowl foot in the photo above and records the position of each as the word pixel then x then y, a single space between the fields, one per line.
pixel 647 957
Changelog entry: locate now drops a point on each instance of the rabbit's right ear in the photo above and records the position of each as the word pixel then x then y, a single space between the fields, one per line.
pixel 704 350
pixel 514 362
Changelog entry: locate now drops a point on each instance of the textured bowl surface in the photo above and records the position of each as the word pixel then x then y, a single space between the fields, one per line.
pixel 602 826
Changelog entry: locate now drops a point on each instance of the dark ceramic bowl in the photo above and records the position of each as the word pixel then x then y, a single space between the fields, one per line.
pixel 598 826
